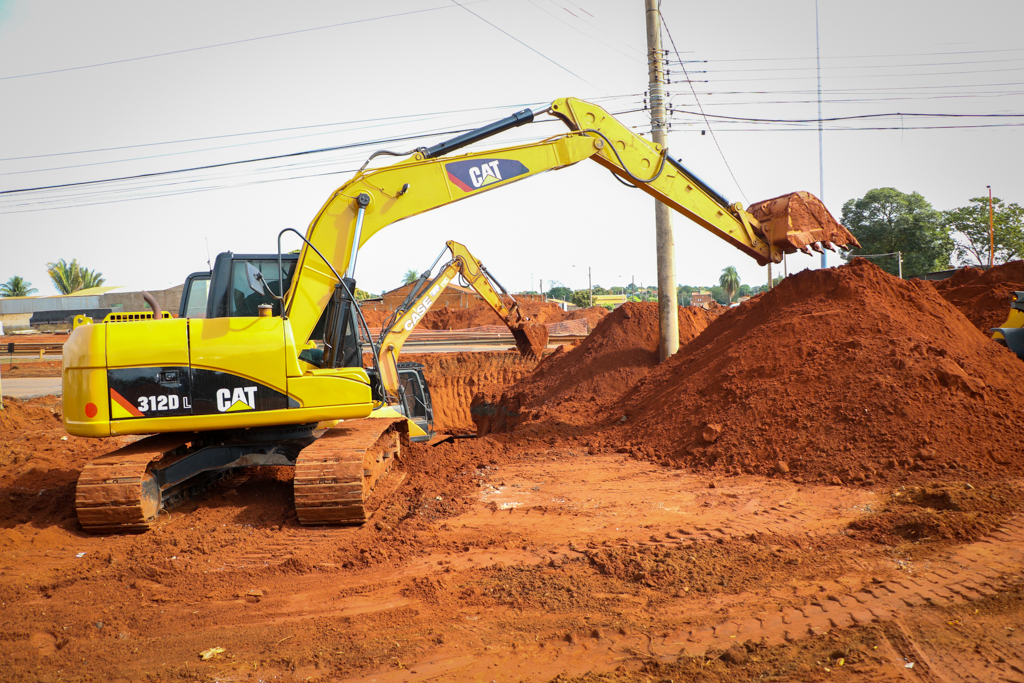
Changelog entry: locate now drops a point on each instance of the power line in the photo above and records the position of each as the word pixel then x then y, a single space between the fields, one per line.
pixel 699 106
pixel 229 163
pixel 845 118
pixel 876 56
pixel 531 49
pixel 861 66
pixel 231 42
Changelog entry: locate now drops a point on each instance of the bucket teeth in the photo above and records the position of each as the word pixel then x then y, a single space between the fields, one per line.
pixel 798 221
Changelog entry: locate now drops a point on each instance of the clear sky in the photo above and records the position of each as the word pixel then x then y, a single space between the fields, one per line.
pixel 104 90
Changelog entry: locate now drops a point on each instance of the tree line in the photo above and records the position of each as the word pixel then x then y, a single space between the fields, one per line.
pixel 886 221
pixel 66 278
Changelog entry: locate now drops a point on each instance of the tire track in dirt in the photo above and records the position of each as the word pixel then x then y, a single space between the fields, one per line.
pixel 970 573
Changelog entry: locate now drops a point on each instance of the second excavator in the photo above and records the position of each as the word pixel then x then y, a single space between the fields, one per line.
pixel 219 393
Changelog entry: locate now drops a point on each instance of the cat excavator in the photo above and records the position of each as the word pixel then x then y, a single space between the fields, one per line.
pixel 218 393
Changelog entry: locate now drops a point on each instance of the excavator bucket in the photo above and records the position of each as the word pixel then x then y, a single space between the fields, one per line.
pixel 796 221
pixel 531 338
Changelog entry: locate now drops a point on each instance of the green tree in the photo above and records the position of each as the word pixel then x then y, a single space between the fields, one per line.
pixel 971 225
pixel 729 281
pixel 17 286
pixel 719 294
pixel 362 294
pixel 72 277
pixel 410 276
pixel 90 278
pixel 581 298
pixel 561 292
pixel 886 220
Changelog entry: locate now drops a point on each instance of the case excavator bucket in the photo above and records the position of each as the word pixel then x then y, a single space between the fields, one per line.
pixel 531 338
pixel 796 221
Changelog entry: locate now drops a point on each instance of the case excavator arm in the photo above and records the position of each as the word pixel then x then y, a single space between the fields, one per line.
pixel 531 338
pixel 375 198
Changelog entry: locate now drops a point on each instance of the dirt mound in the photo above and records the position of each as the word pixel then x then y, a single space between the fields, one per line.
pixel 571 385
pixel 480 314
pixel 984 295
pixel 454 378
pixel 947 511
pixel 839 375
pixel 38 457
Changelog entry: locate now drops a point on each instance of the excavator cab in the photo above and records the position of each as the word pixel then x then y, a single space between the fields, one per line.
pixel 415 404
pixel 224 292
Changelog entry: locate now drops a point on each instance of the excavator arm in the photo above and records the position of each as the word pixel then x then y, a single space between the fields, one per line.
pixel 428 179
pixel 531 338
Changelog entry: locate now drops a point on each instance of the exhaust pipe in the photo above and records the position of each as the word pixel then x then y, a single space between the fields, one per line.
pixel 158 313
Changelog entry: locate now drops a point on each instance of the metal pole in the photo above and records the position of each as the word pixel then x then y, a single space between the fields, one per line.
pixel 899 261
pixel 991 230
pixel 668 306
pixel 821 157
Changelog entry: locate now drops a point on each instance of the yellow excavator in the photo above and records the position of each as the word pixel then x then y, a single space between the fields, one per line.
pixel 1011 333
pixel 218 393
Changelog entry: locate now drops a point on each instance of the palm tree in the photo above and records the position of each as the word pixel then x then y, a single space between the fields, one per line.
pixel 17 286
pixel 91 278
pixel 66 277
pixel 729 281
pixel 71 277
pixel 410 276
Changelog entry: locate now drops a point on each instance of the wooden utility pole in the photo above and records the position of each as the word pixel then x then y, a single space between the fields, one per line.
pixel 991 231
pixel 668 307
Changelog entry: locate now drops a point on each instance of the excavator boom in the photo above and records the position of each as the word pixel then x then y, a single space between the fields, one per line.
pixel 376 198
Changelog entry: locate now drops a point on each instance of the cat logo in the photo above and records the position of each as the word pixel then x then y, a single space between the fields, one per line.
pixel 233 401
pixel 475 174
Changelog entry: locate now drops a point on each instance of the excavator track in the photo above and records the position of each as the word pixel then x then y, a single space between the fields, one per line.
pixel 336 474
pixel 117 493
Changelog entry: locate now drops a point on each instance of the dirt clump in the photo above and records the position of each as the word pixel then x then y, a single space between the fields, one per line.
pixel 983 295
pixel 940 512
pixel 846 376
pixel 573 384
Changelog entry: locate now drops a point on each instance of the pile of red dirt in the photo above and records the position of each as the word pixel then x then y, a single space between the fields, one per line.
pixel 454 378
pixel 481 314
pixel 570 386
pixel 37 455
pixel 984 295
pixel 839 375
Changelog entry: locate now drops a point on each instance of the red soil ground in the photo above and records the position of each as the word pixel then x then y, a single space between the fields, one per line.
pixel 578 546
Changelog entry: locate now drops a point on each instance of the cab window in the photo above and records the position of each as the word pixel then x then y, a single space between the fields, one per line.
pixel 196 296
pixel 243 301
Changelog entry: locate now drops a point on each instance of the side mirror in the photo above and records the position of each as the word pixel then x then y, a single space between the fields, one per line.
pixel 255 279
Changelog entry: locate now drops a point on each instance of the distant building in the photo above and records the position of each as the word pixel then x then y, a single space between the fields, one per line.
pixel 701 298
pixel 97 302
pixel 453 296
pixel 614 300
